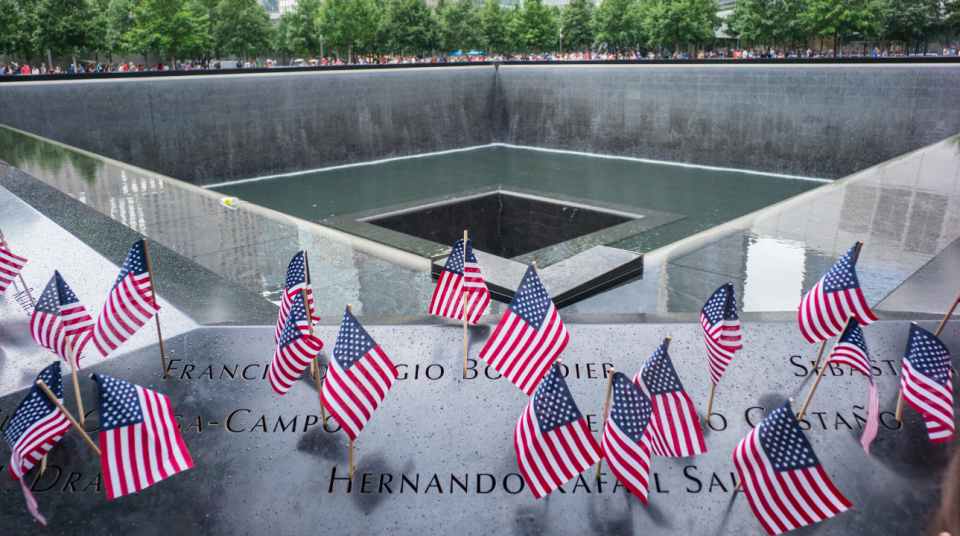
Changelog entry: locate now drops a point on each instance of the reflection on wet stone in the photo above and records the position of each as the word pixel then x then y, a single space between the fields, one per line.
pixel 926 221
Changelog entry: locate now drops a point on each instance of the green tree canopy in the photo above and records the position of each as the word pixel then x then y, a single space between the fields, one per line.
pixel 494 26
pixel 906 20
pixel 302 28
pixel 618 23
pixel 118 22
pixel 458 25
pixel 241 27
pixel 171 28
pixel 411 26
pixel 16 31
pixel 576 23
pixel 62 25
pixel 671 22
pixel 347 22
pixel 537 27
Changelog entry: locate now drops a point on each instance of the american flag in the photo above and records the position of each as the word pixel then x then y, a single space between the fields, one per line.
pixel 552 439
pixel 140 443
pixel 130 304
pixel 529 337
pixel 626 437
pixel 59 315
pixel 721 330
pixel 782 477
pixel 448 297
pixel 675 425
pixel 298 276
pixel 824 310
pixel 851 349
pixel 358 378
pixel 927 383
pixel 295 349
pixel 10 266
pixel 36 427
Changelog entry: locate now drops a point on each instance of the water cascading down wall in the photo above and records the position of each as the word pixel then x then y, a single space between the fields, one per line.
pixel 812 120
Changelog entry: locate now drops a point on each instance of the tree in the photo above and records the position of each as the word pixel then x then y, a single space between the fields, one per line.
pixel 457 24
pixel 62 25
pixel 755 21
pixel 303 28
pixel 905 20
pixel 494 26
pixel 576 23
pixel 241 27
pixel 537 27
pixel 118 23
pixel 617 23
pixel 671 22
pixel 346 22
pixel 15 28
pixel 837 18
pixel 411 26
pixel 170 27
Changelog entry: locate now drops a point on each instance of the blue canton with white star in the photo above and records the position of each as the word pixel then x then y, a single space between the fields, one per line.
pixel 630 408
pixel 49 300
pixel 296 272
pixel 291 329
pixel 659 375
pixel 784 443
pixel 843 275
pixel 454 262
pixel 531 301
pixel 928 355
pixel 35 405
pixel 135 263
pixel 852 334
pixel 721 306
pixel 353 342
pixel 552 402
pixel 118 402
pixel 63 290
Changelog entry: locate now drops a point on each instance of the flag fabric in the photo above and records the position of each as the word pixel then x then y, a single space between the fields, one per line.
pixel 37 425
pixel 529 337
pixel 60 316
pixel 851 349
pixel 298 276
pixel 552 439
pixel 721 330
pixel 295 349
pixel 358 377
pixel 927 383
pixel 782 477
pixel 10 266
pixel 626 438
pixel 140 442
pixel 675 424
pixel 459 278
pixel 824 310
pixel 129 306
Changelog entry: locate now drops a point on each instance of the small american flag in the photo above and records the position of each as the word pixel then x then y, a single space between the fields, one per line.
pixel 129 306
pixel 782 477
pixel 824 310
pixel 676 427
pixel 10 266
pixel 59 315
pixel 552 439
pixel 721 330
pixel 448 298
pixel 298 276
pixel 295 349
pixel 37 426
pixel 927 383
pixel 851 349
pixel 140 442
pixel 626 437
pixel 358 378
pixel 529 337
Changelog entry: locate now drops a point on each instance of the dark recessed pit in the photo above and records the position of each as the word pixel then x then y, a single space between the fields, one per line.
pixel 502 223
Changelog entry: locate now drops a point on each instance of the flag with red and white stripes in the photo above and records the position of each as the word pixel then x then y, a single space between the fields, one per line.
pixel 782 477
pixel 358 377
pixel 552 439
pixel 140 442
pixel 10 266
pixel 927 383
pixel 59 322
pixel 298 276
pixel 721 330
pixel 675 425
pixel 851 349
pixel 824 310
pixel 626 436
pixel 295 349
pixel 529 337
pixel 461 281
pixel 130 304
pixel 37 425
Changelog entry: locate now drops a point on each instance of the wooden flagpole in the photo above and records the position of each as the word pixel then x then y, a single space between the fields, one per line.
pixel 350 308
pixel 606 414
pixel 153 294
pixel 856 255
pixel 463 304
pixel 76 384
pixel 820 375
pixel 713 388
pixel 315 364
pixel 25 287
pixel 943 324
pixel 53 398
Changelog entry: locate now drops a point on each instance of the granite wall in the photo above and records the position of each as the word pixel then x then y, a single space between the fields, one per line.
pixel 813 120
